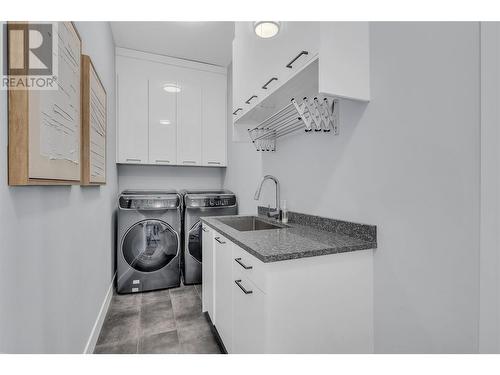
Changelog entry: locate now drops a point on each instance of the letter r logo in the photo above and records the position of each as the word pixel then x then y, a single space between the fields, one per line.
pixel 35 57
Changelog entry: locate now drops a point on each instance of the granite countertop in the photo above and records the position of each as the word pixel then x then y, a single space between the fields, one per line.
pixel 304 236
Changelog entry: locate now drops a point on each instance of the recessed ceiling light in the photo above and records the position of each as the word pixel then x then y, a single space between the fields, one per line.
pixel 165 122
pixel 171 87
pixel 266 29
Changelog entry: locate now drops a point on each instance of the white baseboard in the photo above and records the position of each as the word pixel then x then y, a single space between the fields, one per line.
pixel 94 334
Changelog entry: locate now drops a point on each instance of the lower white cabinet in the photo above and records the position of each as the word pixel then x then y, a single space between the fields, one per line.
pixel 208 261
pixel 321 304
pixel 223 290
pixel 249 316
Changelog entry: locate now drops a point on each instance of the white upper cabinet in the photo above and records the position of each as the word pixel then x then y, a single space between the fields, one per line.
pixel 162 121
pixel 132 106
pixel 170 111
pixel 189 129
pixel 214 131
pixel 344 64
pixel 262 66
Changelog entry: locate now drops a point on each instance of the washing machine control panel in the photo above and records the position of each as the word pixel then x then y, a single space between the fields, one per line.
pixel 217 201
pixel 149 203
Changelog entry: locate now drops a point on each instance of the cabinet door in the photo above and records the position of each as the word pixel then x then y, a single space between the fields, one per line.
pixel 343 42
pixel 223 290
pixel 162 122
pixel 256 61
pixel 243 73
pixel 249 330
pixel 132 117
pixel 208 271
pixel 189 124
pixel 294 39
pixel 214 128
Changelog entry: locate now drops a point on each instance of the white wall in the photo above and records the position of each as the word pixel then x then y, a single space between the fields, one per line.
pixel 407 162
pixel 243 170
pixel 489 328
pixel 168 177
pixel 57 243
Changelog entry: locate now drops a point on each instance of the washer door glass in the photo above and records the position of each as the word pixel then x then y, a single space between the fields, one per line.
pixel 150 245
pixel 194 244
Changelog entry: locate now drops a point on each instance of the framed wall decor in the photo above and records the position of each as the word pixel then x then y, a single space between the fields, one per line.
pixel 94 115
pixel 44 103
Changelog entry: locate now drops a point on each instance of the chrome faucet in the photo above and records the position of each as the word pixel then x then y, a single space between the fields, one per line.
pixel 277 211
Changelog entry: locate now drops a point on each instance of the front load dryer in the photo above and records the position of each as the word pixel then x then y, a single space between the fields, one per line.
pixel 199 203
pixel 149 240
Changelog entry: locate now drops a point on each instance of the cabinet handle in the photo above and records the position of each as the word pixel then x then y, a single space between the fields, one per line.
pixel 219 241
pixel 130 159
pixel 204 229
pixel 289 65
pixel 238 282
pixel 214 162
pixel 268 82
pixel 188 162
pixel 235 112
pixel 250 99
pixel 238 260
pixel 162 161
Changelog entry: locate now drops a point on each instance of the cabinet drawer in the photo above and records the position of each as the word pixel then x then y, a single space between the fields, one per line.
pixel 249 316
pixel 250 267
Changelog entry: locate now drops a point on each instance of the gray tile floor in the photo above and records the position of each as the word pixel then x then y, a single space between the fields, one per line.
pixel 165 321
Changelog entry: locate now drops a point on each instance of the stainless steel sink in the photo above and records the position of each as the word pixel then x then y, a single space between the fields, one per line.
pixel 249 223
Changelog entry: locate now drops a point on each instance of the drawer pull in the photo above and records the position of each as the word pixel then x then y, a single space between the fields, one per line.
pixel 162 161
pixel 238 260
pixel 268 82
pixel 130 159
pixel 214 162
pixel 289 65
pixel 236 112
pixel 188 162
pixel 219 240
pixel 238 282
pixel 204 229
pixel 250 99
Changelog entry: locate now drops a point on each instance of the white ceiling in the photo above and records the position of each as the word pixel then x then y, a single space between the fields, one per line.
pixel 208 42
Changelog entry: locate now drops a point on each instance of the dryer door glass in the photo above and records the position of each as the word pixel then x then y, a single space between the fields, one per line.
pixel 194 244
pixel 150 245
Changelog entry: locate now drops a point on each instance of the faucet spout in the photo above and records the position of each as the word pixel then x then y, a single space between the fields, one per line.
pixel 277 211
pixel 257 193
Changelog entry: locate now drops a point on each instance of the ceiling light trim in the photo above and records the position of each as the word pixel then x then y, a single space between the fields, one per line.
pixel 266 29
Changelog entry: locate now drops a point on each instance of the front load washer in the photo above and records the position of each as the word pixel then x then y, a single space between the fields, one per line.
pixel 149 240
pixel 198 203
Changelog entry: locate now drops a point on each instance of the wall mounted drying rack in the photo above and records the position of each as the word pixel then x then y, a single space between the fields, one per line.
pixel 312 115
